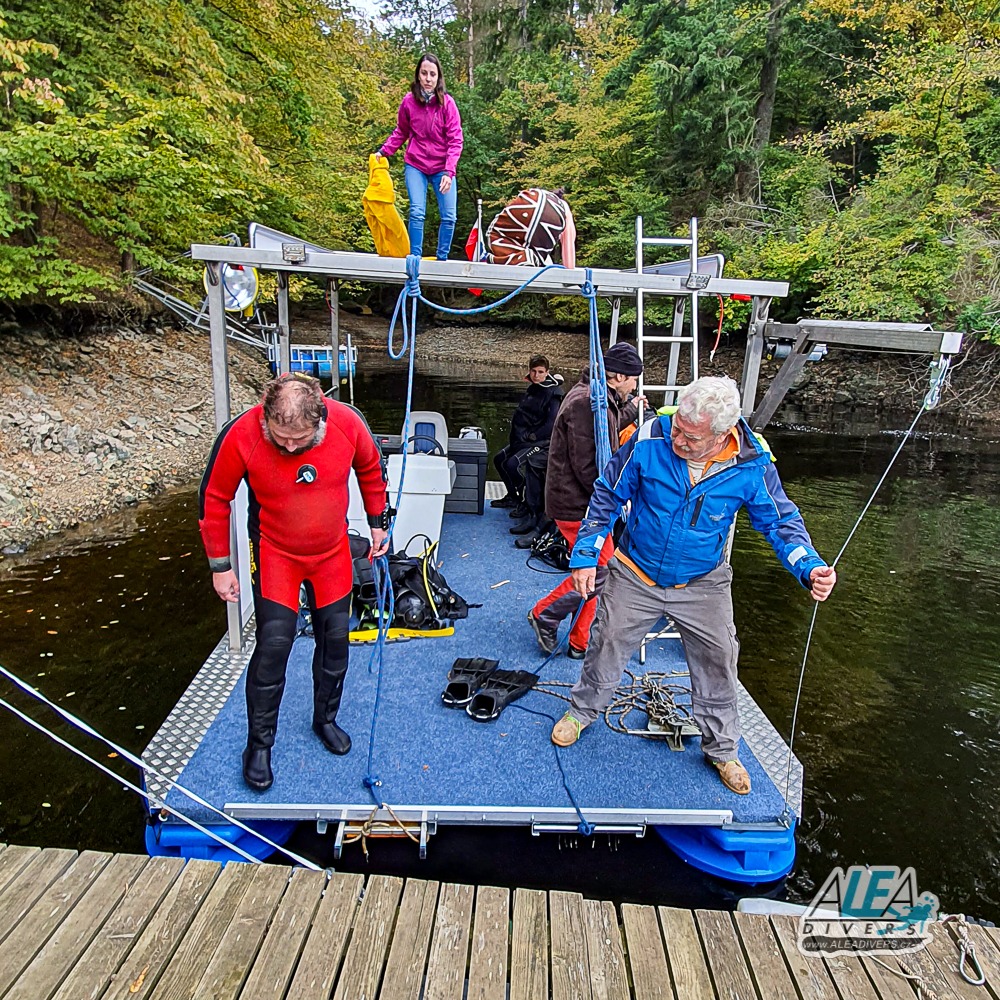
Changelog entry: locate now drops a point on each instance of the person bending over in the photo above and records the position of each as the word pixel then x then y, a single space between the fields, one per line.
pixel 528 229
pixel 569 481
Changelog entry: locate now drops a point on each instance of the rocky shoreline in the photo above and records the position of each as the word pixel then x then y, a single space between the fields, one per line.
pixel 94 422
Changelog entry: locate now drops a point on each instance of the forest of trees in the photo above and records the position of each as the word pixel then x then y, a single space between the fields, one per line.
pixel 850 147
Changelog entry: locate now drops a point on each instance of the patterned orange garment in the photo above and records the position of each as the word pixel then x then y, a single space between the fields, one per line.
pixel 528 229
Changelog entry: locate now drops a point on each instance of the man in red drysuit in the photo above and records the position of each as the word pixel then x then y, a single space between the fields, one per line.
pixel 295 451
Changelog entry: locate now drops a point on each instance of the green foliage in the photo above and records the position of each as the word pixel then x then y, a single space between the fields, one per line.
pixel 131 130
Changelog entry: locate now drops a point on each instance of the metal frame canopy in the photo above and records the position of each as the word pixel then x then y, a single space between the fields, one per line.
pixel 461 274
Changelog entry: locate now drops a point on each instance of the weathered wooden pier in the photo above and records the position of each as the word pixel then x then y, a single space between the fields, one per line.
pixel 82 926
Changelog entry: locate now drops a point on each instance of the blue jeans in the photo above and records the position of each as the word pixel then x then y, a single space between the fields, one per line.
pixel 416 188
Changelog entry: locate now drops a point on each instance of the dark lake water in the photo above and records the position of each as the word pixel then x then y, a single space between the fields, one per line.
pixel 900 717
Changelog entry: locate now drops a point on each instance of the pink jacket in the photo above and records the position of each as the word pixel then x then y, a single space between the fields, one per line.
pixel 434 134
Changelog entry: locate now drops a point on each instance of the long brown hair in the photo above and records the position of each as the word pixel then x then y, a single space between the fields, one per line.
pixel 439 90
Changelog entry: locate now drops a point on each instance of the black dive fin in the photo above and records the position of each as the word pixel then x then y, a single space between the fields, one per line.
pixel 503 687
pixel 465 678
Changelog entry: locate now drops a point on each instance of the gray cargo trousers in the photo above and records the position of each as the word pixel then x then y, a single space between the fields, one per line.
pixel 703 614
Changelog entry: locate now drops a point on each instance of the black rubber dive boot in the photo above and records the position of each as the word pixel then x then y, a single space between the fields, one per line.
pixel 257 768
pixel 333 737
pixel 528 527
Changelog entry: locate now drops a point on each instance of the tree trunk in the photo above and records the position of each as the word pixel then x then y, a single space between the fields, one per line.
pixel 748 176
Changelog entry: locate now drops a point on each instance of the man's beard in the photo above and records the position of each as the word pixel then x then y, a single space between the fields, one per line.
pixel 317 439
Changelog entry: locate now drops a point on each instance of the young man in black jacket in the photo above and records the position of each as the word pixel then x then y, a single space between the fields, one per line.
pixel 530 429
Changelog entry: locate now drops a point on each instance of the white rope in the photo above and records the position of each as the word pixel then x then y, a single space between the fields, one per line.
pixel 138 762
pixel 124 781
pixel 812 622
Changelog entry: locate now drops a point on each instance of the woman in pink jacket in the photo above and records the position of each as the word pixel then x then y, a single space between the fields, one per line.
pixel 429 122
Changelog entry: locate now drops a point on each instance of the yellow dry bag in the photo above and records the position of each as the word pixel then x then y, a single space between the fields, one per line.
pixel 379 201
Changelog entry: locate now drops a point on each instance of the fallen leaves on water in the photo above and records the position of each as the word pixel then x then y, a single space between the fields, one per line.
pixel 137 985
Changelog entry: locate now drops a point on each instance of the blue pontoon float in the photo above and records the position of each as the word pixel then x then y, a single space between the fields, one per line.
pixel 428 766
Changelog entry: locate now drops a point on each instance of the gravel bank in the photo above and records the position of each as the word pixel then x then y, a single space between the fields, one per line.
pixel 93 423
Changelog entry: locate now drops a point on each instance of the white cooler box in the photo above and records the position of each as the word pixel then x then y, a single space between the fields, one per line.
pixel 429 479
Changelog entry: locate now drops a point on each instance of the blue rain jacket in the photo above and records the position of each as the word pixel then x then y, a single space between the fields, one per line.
pixel 676 532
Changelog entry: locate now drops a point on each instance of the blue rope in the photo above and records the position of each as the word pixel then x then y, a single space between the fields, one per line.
pixel 412 290
pixel 598 379
pixel 385 605
pixel 584 827
pixel 380 567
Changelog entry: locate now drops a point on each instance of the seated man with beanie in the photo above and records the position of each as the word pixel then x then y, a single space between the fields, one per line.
pixel 569 482
pixel 530 428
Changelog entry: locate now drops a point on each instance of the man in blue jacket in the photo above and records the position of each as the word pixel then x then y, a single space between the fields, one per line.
pixel 686 476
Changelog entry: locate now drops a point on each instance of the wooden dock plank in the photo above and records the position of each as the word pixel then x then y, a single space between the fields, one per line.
pixel 35 928
pixel 570 962
pixel 404 968
pixel 726 963
pixel 765 958
pixel 92 974
pixel 324 948
pixel 488 954
pixel 529 946
pixel 809 973
pixel 179 980
pixel 684 954
pixel 145 963
pixel 646 958
pixel 272 971
pixel 61 952
pixel 12 862
pixel 608 975
pixel 943 949
pixel 885 977
pixel 988 953
pixel 230 965
pixel 922 964
pixel 189 949
pixel 33 879
pixel 448 958
pixel 850 978
pixel 365 959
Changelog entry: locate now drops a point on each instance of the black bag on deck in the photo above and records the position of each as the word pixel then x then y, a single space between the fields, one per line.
pixel 550 546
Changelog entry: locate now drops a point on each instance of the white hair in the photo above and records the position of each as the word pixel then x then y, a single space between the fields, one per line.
pixel 713 397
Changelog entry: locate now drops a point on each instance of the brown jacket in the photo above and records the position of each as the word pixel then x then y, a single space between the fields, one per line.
pixel 572 468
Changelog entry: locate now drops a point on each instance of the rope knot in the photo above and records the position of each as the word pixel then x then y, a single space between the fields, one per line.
pixel 372 781
pixel 413 275
pixel 587 829
pixel 587 289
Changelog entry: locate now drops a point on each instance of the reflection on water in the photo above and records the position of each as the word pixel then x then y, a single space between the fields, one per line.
pixel 898 727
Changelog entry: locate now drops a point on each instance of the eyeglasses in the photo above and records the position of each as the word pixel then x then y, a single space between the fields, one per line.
pixel 301 376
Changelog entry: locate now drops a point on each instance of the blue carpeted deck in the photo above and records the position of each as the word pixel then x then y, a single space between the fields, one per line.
pixel 430 756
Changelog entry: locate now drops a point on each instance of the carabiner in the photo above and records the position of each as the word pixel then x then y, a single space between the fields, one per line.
pixel 967 954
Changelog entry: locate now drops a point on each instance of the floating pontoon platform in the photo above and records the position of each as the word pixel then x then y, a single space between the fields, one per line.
pixel 437 766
